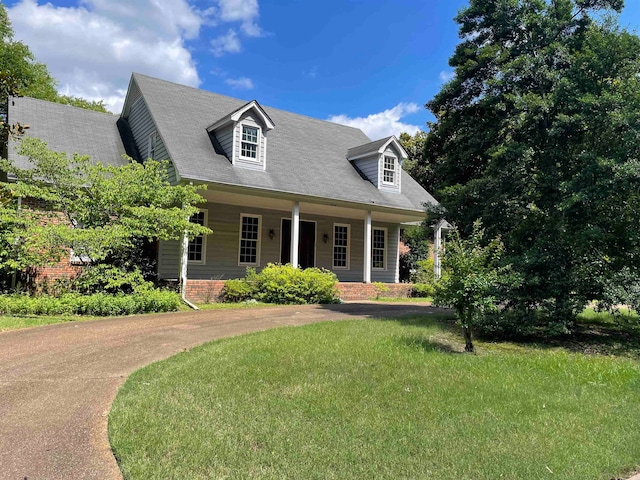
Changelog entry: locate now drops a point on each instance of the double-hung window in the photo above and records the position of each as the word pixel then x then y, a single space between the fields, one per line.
pixel 249 249
pixel 389 170
pixel 340 246
pixel 379 248
pixel 249 144
pixel 196 248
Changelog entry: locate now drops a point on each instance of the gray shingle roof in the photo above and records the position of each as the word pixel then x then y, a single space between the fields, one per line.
pixel 67 129
pixel 371 147
pixel 305 155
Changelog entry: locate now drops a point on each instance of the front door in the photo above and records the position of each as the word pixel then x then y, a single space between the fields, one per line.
pixel 306 244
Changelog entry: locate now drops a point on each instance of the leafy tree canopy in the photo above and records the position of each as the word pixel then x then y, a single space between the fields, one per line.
pixel 97 210
pixel 537 135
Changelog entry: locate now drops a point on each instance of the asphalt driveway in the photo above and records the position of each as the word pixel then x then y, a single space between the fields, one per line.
pixel 57 383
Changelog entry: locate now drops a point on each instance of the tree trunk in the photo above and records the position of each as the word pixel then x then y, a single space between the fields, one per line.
pixel 468 347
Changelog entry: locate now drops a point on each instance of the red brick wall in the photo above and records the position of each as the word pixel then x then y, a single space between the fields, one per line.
pixel 208 291
pixel 366 291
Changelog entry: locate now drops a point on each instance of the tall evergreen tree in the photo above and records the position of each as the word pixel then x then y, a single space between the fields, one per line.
pixel 537 136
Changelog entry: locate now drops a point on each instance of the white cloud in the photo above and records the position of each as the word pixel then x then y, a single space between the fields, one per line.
pixel 383 124
pixel 244 11
pixel 242 83
pixel 446 76
pixel 92 49
pixel 228 43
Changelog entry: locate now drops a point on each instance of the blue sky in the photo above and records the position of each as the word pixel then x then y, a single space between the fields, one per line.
pixel 371 64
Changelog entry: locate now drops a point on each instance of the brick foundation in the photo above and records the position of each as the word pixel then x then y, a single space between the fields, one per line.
pixel 208 291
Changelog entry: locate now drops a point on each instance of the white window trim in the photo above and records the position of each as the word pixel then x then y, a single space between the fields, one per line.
pixel 204 242
pixel 386 247
pixel 152 145
pixel 241 125
pixel 333 259
pixel 395 170
pixel 259 244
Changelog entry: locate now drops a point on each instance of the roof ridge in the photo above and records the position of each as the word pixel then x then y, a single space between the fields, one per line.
pixel 61 105
pixel 279 110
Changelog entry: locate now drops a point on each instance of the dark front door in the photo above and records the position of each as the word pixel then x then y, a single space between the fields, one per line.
pixel 306 244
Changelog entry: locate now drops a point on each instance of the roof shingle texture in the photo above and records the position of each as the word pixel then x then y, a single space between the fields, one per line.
pixel 67 129
pixel 305 156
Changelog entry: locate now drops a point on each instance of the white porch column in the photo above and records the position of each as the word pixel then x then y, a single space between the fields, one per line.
pixel 437 247
pixel 367 249
pixel 295 234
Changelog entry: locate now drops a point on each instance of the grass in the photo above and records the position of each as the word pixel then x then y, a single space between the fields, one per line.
pixel 26 321
pixel 378 399
pixel 403 299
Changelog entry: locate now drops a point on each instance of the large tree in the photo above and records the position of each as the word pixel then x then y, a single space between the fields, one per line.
pixel 537 136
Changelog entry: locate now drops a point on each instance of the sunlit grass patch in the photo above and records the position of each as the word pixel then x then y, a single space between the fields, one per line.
pixel 377 399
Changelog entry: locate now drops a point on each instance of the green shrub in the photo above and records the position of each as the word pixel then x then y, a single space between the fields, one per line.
pixel 236 290
pixel 99 304
pixel 424 272
pixel 422 290
pixel 283 284
pixel 381 289
pixel 108 279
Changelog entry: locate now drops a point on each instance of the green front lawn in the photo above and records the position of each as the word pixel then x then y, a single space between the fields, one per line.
pixel 378 399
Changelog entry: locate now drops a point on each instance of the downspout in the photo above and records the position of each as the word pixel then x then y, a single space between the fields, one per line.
pixel 184 250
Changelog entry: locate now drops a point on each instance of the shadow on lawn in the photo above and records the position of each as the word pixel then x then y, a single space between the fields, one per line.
pixel 590 337
pixel 595 339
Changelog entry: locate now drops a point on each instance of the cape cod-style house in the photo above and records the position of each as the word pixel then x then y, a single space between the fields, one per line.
pixel 282 187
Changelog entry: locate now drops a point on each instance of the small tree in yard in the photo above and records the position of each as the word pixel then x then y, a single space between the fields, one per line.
pixel 470 278
pixel 98 211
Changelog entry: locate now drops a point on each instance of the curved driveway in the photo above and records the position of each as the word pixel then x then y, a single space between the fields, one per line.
pixel 57 383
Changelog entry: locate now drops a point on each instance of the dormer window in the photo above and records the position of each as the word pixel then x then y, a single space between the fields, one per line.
pixel 242 136
pixel 249 147
pixel 389 170
pixel 380 162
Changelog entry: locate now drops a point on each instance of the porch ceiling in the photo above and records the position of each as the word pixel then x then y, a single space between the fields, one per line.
pixel 311 206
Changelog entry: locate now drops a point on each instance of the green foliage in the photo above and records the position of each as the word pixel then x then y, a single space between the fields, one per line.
pixel 381 289
pixel 108 279
pixel 419 241
pixel 284 284
pixel 471 278
pixel 99 304
pixel 536 135
pixel 425 273
pixel 237 290
pixel 98 211
pixel 418 165
pixel 423 290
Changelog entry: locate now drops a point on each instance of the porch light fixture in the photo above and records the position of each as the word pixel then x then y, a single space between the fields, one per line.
pixel 272 234
pixel 325 238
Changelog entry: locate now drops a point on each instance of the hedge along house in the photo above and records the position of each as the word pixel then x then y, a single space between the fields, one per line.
pixel 281 187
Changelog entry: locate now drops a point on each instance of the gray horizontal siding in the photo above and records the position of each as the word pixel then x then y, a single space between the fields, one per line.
pixel 222 246
pixel 142 126
pixel 369 168
pixel 225 139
